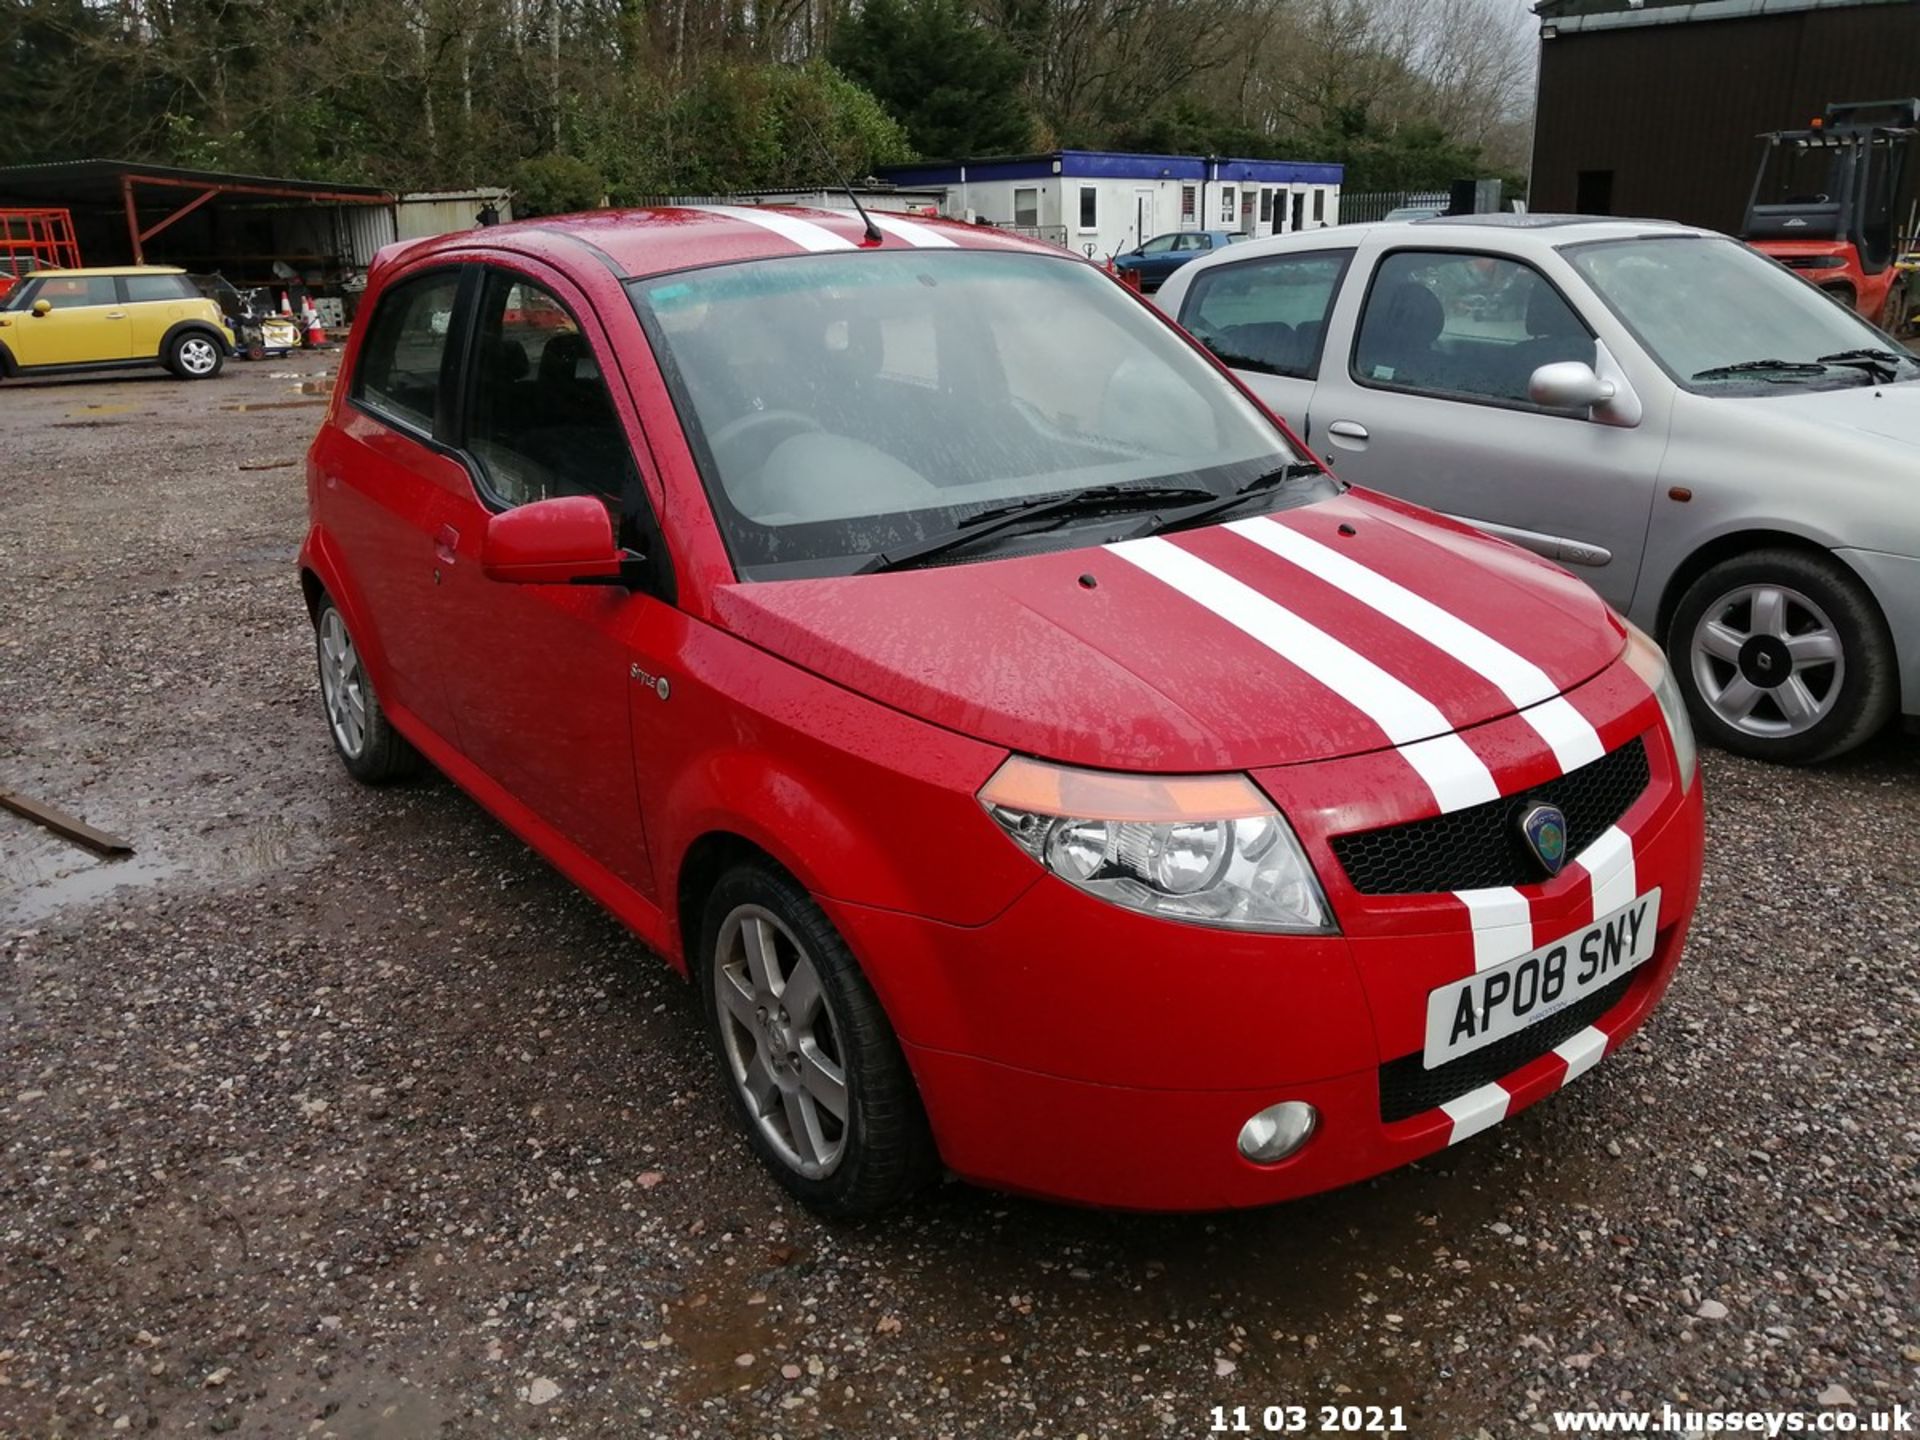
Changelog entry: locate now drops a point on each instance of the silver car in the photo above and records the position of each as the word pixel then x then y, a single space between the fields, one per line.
pixel 1727 456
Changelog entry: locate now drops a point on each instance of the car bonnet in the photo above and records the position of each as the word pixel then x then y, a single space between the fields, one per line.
pixel 1349 625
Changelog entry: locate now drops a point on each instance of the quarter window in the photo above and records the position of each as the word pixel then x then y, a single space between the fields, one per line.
pixel 143 288
pixel 399 374
pixel 1268 315
pixel 540 420
pixel 1471 327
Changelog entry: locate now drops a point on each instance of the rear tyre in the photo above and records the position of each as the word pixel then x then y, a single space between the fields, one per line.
pixel 195 356
pixel 1783 656
pixel 810 1064
pixel 368 745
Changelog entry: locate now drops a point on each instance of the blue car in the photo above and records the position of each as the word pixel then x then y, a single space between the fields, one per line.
pixel 1164 254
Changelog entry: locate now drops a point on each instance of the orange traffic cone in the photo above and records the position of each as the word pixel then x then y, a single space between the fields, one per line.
pixel 286 304
pixel 316 337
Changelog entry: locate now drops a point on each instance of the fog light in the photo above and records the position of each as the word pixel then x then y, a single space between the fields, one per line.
pixel 1277 1131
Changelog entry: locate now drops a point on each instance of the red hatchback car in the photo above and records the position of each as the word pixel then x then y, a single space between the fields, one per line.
pixel 1041 765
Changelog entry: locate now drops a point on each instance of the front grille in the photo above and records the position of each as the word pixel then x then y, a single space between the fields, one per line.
pixel 1481 846
pixel 1408 1088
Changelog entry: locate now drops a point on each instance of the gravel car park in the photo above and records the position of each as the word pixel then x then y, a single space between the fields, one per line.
pixel 337 1112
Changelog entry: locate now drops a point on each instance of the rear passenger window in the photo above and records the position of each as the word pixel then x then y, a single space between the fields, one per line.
pixel 1469 327
pixel 399 375
pixel 541 421
pixel 1268 315
pixel 142 288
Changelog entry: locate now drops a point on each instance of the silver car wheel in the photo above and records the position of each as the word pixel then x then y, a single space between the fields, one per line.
pixel 343 685
pixel 1768 661
pixel 198 357
pixel 782 1047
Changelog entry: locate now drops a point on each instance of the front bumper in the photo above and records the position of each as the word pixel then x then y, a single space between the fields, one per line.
pixel 1079 1051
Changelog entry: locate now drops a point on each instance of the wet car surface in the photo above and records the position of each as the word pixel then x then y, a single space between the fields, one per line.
pixel 344 1108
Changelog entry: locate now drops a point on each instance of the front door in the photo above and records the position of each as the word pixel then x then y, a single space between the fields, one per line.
pixel 87 324
pixel 1430 403
pixel 542 674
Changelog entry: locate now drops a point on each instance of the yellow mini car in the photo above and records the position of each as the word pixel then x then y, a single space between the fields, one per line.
pixel 56 321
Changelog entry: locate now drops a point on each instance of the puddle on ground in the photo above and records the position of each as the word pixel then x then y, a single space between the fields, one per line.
pixel 276 405
pixel 322 386
pixel 118 407
pixel 54 876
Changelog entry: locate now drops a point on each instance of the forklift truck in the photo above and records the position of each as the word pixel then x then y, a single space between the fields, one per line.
pixel 1835 203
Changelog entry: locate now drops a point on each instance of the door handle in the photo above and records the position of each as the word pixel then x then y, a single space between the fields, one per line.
pixel 1348 430
pixel 116 315
pixel 444 543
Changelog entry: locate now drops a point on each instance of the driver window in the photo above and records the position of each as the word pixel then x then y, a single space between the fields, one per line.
pixel 1470 327
pixel 1156 245
pixel 68 292
pixel 540 421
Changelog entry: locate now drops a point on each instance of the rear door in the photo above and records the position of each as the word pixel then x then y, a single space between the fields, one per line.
pixel 87 325
pixel 1428 401
pixel 1266 317
pixel 390 489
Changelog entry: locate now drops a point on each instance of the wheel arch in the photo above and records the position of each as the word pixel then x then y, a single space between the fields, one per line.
pixel 8 365
pixel 709 857
pixel 191 326
pixel 1731 545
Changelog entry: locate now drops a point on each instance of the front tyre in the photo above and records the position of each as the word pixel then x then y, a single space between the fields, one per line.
pixel 812 1067
pixel 368 745
pixel 195 356
pixel 1783 656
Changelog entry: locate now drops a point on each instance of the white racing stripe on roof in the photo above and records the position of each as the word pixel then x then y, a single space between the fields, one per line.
pixel 804 233
pixel 925 236
pixel 1456 775
pixel 1568 733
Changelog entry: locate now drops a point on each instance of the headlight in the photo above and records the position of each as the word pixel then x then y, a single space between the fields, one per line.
pixel 1208 849
pixel 1650 664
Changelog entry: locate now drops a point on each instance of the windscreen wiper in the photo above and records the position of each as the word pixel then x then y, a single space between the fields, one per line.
pixel 1223 504
pixel 1100 499
pixel 1883 365
pixel 1762 368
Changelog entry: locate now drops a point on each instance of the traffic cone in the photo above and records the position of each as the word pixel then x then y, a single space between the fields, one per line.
pixel 316 337
pixel 286 303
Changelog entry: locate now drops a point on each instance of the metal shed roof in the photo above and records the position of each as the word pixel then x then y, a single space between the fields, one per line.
pixel 100 182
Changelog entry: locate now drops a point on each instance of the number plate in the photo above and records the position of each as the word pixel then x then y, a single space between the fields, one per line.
pixel 1471 1014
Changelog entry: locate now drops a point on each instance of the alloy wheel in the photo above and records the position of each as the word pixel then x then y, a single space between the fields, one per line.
pixel 343 684
pixel 1768 661
pixel 781 1045
pixel 198 357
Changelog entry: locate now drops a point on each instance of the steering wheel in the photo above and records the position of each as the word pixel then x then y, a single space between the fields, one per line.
pixel 756 420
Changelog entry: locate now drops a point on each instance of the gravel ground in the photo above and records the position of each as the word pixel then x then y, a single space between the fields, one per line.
pixel 335 1112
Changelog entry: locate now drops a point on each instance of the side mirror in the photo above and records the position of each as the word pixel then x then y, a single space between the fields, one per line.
pixel 1569 385
pixel 562 541
pixel 43 308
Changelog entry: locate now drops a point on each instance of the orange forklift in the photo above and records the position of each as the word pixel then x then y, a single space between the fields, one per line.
pixel 1835 203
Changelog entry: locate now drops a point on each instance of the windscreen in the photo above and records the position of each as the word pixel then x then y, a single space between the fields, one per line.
pixel 843 405
pixel 1701 305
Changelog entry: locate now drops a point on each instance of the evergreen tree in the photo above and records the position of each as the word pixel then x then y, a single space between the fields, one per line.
pixel 952 83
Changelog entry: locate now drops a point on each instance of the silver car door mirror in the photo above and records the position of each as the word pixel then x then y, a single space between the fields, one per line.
pixel 1569 385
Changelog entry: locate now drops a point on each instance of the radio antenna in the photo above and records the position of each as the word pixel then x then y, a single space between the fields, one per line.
pixel 873 231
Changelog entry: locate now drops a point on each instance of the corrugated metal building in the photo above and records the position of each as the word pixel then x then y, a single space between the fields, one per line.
pixel 1651 107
